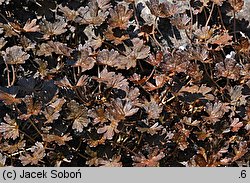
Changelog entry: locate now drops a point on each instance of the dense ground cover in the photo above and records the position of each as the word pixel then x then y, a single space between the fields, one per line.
pixel 124 83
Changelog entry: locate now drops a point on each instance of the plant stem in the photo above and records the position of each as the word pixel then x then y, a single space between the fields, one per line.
pixel 8 73
pixel 210 15
pixel 13 75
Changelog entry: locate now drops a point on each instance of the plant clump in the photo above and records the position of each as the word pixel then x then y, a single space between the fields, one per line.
pixel 124 83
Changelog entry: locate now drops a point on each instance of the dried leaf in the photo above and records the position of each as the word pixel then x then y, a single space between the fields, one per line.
pixel 95 143
pixel 10 128
pixel 204 90
pixel 113 80
pixel 182 136
pixel 218 2
pixel 154 129
pixel 243 149
pixel 78 114
pixel 2 158
pixel 163 9
pixel 8 30
pixel 91 14
pixel 136 78
pixel 122 110
pixel 153 108
pixel 108 130
pixel 2 42
pixel 109 58
pixel 152 159
pixel 235 125
pixel 33 159
pixel 13 147
pixel 59 48
pixel 177 62
pixel 237 98
pixel 99 115
pixel 204 33
pixel 82 81
pixel 221 40
pixel 120 16
pixel 138 51
pixel 237 4
pixel 156 59
pixel 94 41
pixel 33 107
pixel 51 112
pixel 109 35
pixel 15 55
pixel 9 99
pixel 49 29
pixel 160 80
pixel 60 140
pixel 27 43
pixel 180 21
pixel 229 68
pixel 69 14
pixel 31 26
pixel 114 162
pixel 188 121
pixel 215 111
pixel 200 53
pixel 85 61
pixel 64 83
pixel 133 96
